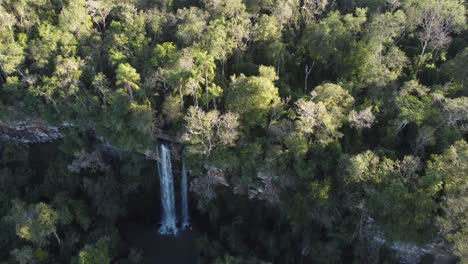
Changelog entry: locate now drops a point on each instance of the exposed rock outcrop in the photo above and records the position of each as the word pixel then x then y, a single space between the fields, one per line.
pixel 407 253
pixel 30 132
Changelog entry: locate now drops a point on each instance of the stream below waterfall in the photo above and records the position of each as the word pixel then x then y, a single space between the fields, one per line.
pixel 161 249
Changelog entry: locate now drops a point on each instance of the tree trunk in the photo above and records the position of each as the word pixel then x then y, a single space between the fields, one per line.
pixel 206 91
pixel 222 68
pixel 130 92
pixel 307 73
pixel 181 98
pixel 57 237
pixel 103 23
pixel 424 46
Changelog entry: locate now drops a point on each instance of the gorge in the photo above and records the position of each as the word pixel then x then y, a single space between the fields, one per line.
pixel 233 132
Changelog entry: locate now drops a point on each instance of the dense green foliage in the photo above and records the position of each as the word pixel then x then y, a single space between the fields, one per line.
pixel 331 122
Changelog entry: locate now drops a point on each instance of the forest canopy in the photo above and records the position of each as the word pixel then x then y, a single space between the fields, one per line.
pixel 334 124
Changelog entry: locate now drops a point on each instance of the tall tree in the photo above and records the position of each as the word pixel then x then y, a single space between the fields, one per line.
pixel 74 18
pixel 191 26
pixel 96 253
pixel 127 78
pixel 393 193
pixel 437 19
pixel 34 222
pixel 99 10
pixel 204 71
pixel 452 168
pixel 253 97
pixel 324 113
pixel 206 131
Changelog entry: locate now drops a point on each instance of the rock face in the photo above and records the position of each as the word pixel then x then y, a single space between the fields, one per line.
pixel 23 132
pixel 406 252
pixel 204 187
pixel 92 161
pixel 37 132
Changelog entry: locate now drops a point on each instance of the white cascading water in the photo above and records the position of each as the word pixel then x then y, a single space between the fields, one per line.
pixel 184 191
pixel 168 223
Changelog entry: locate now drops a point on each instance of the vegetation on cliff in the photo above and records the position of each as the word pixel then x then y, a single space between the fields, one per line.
pixel 313 130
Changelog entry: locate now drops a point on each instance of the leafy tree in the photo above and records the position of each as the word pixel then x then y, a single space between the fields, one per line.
pixel 177 73
pixel 99 10
pixel 96 254
pixel 217 41
pixel 165 55
pixel 74 18
pixel 324 113
pixel 127 39
pixel 384 61
pixel 11 56
pixel 235 19
pixel 437 19
pixel 27 12
pixel 171 108
pixel 206 131
pixel 156 22
pixel 192 24
pixel 51 43
pixel 204 72
pixel 452 167
pixel 267 29
pixel 105 193
pixel 25 255
pixel 267 32
pixel 310 9
pixel 253 97
pixel 72 211
pixel 68 71
pixel 11 51
pixel 457 112
pixel 127 78
pixel 127 124
pixel 394 194
pixel 362 119
pixel 7 21
pixel 453 69
pixel 414 103
pixel 285 11
pixel 102 86
pixel 62 85
pixel 331 43
pixel 34 222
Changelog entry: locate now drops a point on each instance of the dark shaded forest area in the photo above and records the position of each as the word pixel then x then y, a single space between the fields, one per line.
pixel 314 131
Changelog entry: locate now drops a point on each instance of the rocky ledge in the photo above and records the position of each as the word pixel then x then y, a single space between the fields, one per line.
pixel 27 132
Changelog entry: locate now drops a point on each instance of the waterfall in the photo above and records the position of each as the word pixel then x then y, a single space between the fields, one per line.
pixel 184 192
pixel 168 223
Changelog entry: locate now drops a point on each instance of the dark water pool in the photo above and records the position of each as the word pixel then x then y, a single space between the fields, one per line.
pixel 159 249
